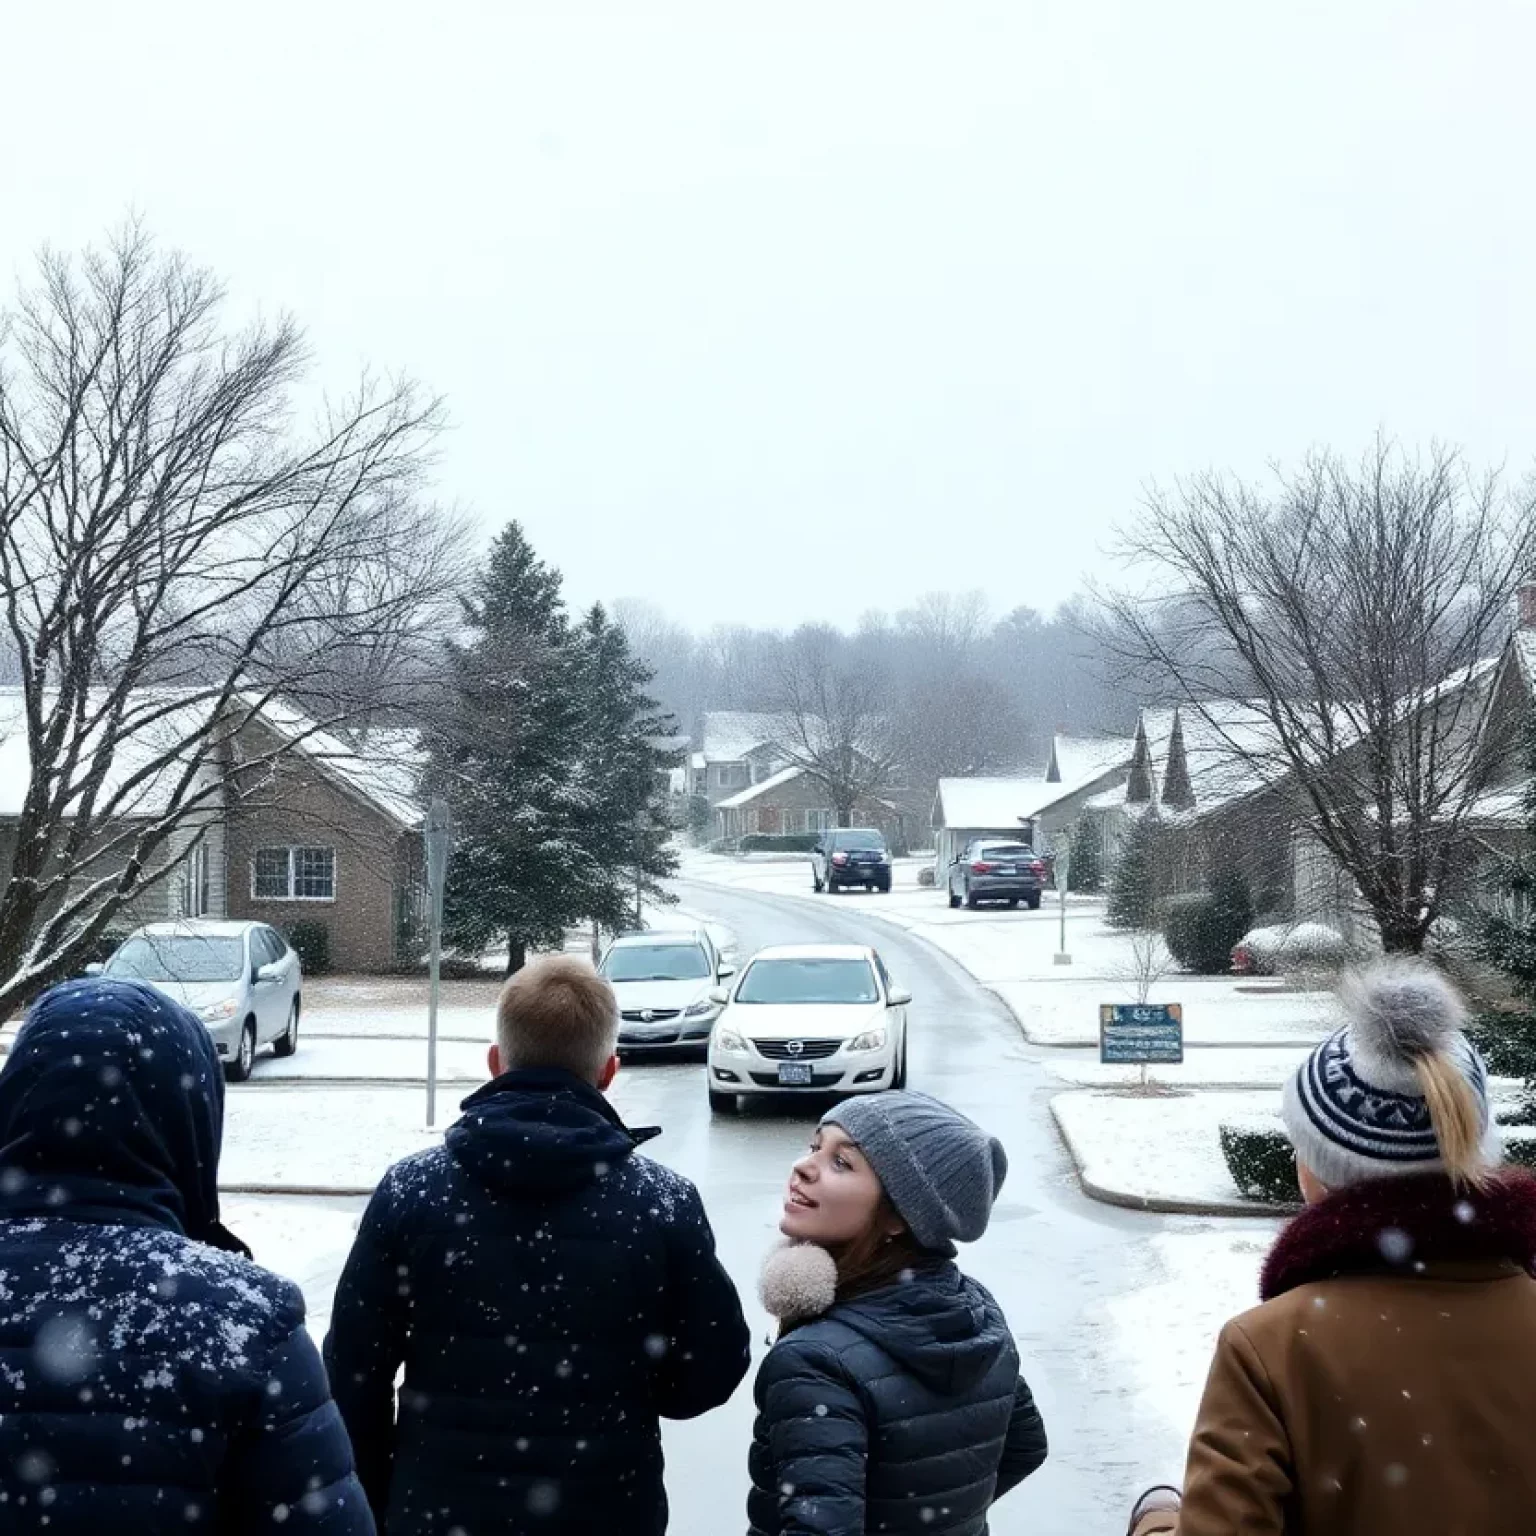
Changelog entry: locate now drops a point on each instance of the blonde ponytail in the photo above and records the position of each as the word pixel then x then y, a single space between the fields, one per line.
pixel 1456 1117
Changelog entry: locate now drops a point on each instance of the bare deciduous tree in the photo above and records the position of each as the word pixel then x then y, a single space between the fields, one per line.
pixel 175 555
pixel 1355 611
pixel 835 719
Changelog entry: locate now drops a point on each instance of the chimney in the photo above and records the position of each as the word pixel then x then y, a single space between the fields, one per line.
pixel 1525 606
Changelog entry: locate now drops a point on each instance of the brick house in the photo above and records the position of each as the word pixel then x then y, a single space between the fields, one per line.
pixel 735 750
pixel 330 836
pixel 328 832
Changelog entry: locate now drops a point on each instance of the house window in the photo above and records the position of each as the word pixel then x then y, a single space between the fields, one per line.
pixel 294 874
pixel 732 776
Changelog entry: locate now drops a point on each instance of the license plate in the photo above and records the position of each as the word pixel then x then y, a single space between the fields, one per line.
pixel 795 1074
pixel 1005 869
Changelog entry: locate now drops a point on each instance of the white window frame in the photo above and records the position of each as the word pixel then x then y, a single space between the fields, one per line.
pixel 292 851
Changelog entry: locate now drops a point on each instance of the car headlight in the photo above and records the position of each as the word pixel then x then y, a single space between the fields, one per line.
pixel 701 1009
pixel 216 1011
pixel 870 1040
pixel 729 1040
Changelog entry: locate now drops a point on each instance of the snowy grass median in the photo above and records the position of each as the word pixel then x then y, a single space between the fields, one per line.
pixel 1159 1151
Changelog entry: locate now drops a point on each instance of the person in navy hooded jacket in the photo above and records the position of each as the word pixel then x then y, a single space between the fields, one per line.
pixel 152 1378
pixel 550 1294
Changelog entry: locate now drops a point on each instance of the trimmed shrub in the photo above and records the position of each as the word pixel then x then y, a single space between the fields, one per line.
pixel 1260 1160
pixel 779 842
pixel 311 941
pixel 1520 1146
pixel 1200 931
pixel 1290 947
pixel 723 845
pixel 1507 1041
pixel 926 877
pixel 699 816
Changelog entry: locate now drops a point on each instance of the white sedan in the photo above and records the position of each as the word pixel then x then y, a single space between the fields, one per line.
pixel 809 1018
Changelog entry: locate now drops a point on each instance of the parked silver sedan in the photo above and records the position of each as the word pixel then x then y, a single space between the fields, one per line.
pixel 241 979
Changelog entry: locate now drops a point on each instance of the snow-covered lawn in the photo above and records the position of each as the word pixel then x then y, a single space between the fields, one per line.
pixel 1159 1149
pixel 1212 1068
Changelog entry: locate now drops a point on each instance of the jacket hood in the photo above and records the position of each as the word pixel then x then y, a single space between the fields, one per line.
pixel 112 1110
pixel 939 1324
pixel 541 1131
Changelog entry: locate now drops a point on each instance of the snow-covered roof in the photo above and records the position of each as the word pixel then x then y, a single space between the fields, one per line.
pixel 772 782
pixel 384 765
pixel 987 804
pixel 1081 759
pixel 1231 748
pixel 727 736
pixel 1502 807
pixel 157 722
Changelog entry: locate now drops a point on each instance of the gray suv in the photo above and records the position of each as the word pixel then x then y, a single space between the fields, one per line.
pixel 995 869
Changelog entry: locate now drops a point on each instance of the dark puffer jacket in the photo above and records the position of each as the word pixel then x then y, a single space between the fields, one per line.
pixel 152 1379
pixel 901 1411
pixel 550 1294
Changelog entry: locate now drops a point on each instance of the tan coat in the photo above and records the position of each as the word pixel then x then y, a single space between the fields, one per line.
pixel 1399 1402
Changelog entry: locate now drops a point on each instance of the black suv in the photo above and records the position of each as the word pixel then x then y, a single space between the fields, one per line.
pixel 851 856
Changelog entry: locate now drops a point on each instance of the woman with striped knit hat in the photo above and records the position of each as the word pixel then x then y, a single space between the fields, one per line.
pixel 1387 1384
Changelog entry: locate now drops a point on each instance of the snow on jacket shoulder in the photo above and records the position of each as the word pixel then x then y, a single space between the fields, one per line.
pixel 550 1295
pixel 901 1411
pixel 151 1384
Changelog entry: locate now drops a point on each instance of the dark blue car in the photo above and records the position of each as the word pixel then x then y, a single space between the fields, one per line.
pixel 851 856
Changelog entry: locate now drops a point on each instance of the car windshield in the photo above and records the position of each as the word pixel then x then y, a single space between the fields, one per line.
pixel 182 957
pixel 848 841
pixel 1006 851
pixel 808 981
pixel 656 962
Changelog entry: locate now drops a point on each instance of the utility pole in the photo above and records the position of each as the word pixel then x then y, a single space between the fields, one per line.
pixel 439 841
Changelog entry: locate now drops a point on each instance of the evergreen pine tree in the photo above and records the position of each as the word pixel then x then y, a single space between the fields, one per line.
pixel 1133 885
pixel 1507 936
pixel 627 831
pixel 507 755
pixel 1086 870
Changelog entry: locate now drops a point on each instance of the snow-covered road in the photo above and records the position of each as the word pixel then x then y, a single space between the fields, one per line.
pixel 1115 1311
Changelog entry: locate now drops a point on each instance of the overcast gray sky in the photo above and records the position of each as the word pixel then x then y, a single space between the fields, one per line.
pixel 722 295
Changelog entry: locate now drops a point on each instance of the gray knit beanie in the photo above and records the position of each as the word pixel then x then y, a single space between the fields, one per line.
pixel 1354 1109
pixel 941 1171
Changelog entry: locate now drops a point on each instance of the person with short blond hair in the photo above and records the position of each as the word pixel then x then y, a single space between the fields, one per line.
pixel 550 1294
pixel 556 1012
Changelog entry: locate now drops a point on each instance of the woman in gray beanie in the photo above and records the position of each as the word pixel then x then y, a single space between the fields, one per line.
pixel 892 1400
pixel 1387 1385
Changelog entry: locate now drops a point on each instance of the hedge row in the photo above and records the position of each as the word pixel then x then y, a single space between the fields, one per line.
pixel 779 842
pixel 1263 1167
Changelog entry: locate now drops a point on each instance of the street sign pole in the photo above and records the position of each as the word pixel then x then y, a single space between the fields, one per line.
pixel 439 837
pixel 1063 866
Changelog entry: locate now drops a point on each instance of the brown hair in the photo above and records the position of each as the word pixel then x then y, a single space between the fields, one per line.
pixel 557 1012
pixel 1455 1115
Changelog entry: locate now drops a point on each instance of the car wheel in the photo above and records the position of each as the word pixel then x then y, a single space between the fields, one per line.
pixel 899 1076
pixel 816 884
pixel 972 900
pixel 723 1103
pixel 239 1069
pixel 954 901
pixel 288 1042
pixel 1013 902
pixel 1034 902
pixel 884 887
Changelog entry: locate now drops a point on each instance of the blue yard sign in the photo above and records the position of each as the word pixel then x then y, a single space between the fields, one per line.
pixel 1139 1034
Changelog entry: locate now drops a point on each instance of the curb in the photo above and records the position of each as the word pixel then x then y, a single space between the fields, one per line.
pixel 1167 1205
pixel 310 1190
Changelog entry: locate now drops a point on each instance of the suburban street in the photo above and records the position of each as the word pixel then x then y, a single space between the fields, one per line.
pixel 1112 1342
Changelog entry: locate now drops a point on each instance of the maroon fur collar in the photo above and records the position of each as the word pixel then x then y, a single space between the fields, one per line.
pixel 1395 1226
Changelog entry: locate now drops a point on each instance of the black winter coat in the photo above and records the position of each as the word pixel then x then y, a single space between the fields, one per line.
pixel 900 1411
pixel 550 1295
pixel 152 1380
